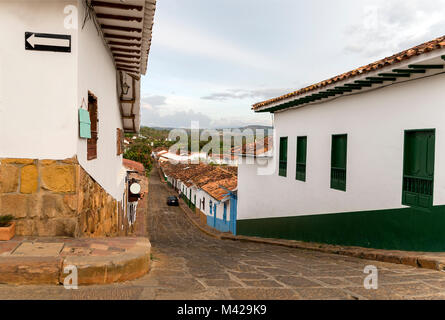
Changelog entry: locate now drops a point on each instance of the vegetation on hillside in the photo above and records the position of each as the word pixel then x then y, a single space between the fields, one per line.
pixel 142 144
pixel 140 152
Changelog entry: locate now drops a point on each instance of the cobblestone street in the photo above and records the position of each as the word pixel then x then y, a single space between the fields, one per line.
pixel 186 264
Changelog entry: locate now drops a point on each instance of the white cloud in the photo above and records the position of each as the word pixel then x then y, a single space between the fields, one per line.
pixel 187 39
pixel 388 27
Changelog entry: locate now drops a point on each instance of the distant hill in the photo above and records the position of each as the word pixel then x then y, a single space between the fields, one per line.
pixel 257 127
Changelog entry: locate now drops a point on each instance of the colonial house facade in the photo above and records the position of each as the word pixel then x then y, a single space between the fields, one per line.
pixel 70 87
pixel 358 159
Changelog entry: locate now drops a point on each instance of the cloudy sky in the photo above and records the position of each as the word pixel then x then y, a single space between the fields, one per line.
pixel 211 60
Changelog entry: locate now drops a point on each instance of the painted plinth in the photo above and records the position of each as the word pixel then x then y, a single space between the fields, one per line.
pixel 408 229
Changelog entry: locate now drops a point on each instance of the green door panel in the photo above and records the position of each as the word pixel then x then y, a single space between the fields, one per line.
pixel 418 168
pixel 283 157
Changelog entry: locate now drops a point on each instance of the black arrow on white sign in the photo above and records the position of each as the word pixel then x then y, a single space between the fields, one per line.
pixel 47 42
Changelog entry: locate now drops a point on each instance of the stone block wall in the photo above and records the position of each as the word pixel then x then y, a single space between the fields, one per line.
pixel 56 198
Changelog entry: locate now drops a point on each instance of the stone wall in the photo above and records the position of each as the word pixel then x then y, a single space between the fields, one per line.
pixel 56 198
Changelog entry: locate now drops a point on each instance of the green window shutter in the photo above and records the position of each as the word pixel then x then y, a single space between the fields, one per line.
pixel 84 124
pixel 338 162
pixel 418 168
pixel 301 158
pixel 283 157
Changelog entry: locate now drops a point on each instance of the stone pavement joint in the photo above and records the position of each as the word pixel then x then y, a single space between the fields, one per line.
pixel 433 261
pixel 33 260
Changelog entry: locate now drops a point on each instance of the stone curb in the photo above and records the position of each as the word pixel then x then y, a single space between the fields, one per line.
pixel 92 270
pixel 414 259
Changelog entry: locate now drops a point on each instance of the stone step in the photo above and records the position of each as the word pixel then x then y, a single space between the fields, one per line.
pixel 98 261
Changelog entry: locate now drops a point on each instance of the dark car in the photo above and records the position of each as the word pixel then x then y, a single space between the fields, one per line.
pixel 173 201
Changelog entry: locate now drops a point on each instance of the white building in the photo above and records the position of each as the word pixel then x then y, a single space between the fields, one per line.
pixel 69 69
pixel 358 159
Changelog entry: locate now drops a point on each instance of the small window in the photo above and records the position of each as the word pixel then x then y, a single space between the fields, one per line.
pixel 301 158
pixel 210 205
pixel 92 142
pixel 119 141
pixel 338 162
pixel 283 157
pixel 418 168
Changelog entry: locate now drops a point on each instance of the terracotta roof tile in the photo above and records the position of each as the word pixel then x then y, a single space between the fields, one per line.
pixel 206 177
pixel 134 166
pixel 255 148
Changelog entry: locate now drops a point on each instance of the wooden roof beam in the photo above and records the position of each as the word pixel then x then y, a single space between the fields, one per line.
pixel 382 78
pixel 120 6
pixel 124 44
pixel 395 75
pixel 122 37
pixel 120 28
pixel 127 56
pixel 118 17
pixel 125 61
pixel 426 66
pixel 125 50
pixel 409 70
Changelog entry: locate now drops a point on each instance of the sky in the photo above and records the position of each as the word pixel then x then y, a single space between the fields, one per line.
pixel 211 60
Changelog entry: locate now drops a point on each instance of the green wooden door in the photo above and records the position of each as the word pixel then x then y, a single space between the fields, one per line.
pixel 418 168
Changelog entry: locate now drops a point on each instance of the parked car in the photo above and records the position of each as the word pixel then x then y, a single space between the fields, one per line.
pixel 173 201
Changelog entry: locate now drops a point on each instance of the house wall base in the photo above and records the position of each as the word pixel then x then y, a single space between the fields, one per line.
pixel 202 217
pixel 56 198
pixel 407 229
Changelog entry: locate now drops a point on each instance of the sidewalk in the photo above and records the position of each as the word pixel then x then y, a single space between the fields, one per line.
pixel 33 260
pixel 427 260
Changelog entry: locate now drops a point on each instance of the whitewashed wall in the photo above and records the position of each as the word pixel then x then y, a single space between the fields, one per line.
pixel 375 124
pixel 97 74
pixel 38 90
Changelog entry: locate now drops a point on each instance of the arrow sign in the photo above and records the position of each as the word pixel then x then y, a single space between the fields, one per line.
pixel 47 42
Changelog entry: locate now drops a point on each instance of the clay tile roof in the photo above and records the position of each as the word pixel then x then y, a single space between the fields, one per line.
pixel 426 47
pixel 217 189
pixel 134 166
pixel 255 148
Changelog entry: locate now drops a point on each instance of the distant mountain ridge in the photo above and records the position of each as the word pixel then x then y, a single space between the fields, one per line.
pixel 251 127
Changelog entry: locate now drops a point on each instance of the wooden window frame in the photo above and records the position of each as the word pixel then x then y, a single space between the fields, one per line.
pixel 282 163
pixel 412 183
pixel 93 109
pixel 301 160
pixel 119 141
pixel 339 175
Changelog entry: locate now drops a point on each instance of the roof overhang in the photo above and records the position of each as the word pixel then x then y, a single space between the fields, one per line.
pixel 418 67
pixel 126 27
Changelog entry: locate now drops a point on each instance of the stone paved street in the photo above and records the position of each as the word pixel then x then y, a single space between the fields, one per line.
pixel 190 265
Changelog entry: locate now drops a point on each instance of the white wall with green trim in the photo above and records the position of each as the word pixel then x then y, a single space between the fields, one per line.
pixel 375 122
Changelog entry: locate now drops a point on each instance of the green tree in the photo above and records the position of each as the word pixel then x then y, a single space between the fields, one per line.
pixel 140 152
